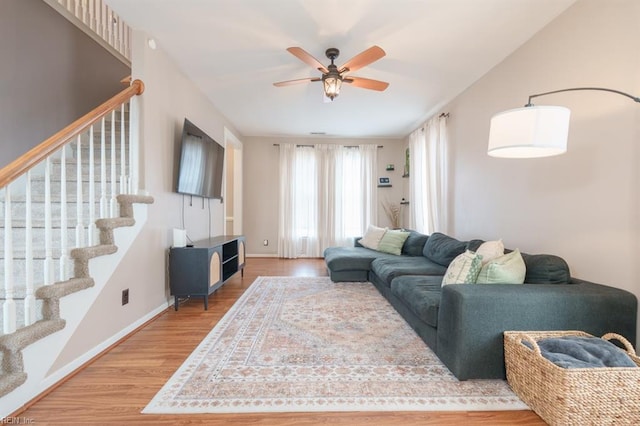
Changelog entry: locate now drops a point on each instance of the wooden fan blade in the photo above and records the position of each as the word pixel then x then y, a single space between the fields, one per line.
pixel 305 57
pixel 366 83
pixel 363 59
pixel 290 82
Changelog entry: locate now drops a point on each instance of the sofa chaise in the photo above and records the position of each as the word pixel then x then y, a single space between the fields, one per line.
pixel 464 323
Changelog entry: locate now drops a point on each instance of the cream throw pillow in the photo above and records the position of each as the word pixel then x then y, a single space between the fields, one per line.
pixel 463 269
pixel 506 269
pixel 490 250
pixel 372 237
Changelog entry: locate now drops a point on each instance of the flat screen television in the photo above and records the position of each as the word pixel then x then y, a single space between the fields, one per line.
pixel 201 163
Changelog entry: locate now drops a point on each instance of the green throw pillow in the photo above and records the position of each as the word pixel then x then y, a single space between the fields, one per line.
pixel 507 269
pixel 392 241
pixel 463 269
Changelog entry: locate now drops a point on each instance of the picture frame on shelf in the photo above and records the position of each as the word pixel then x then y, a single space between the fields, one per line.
pixel 384 181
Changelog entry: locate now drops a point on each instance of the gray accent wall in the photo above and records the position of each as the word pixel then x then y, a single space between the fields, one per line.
pixel 51 73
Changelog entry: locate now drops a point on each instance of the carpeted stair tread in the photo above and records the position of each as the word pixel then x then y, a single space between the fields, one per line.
pixel 25 336
pixel 64 288
pixel 115 222
pixel 85 253
pixel 10 381
pixel 127 201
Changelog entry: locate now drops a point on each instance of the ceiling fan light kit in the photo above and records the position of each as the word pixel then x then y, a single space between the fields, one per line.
pixel 332 76
pixel 332 80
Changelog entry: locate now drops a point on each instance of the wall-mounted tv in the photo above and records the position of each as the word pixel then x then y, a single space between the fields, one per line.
pixel 201 163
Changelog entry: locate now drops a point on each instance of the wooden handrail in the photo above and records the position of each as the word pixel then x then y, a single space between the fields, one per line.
pixel 35 155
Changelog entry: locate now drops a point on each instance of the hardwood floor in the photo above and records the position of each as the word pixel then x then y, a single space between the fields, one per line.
pixel 117 386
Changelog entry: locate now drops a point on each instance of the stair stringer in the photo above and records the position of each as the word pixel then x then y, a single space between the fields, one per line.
pixel 39 356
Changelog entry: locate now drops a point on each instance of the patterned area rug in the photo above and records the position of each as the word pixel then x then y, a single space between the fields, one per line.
pixel 307 344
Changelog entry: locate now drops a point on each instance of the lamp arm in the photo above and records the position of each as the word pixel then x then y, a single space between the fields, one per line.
pixel 636 99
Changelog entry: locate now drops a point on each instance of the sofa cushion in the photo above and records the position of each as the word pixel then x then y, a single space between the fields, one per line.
pixel 490 250
pixel 474 245
pixel 372 237
pixel 392 242
pixel 387 268
pixel 414 245
pixel 506 269
pixel 463 269
pixel 351 258
pixel 421 294
pixel 442 248
pixel 546 269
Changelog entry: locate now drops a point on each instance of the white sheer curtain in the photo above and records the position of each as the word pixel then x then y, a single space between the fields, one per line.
pixel 428 180
pixel 369 188
pixel 337 184
pixel 298 230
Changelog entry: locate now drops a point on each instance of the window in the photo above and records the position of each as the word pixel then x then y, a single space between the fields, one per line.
pixel 327 196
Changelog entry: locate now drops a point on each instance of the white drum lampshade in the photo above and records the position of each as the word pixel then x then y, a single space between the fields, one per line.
pixel 533 131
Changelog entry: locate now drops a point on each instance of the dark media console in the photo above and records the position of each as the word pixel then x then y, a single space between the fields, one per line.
pixel 200 270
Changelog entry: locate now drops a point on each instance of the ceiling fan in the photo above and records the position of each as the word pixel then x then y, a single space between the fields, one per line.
pixel 332 76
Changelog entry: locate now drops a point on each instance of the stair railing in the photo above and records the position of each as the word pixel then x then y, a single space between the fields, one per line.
pixel 100 19
pixel 17 179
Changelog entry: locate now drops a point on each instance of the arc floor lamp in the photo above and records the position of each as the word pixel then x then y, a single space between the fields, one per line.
pixel 534 131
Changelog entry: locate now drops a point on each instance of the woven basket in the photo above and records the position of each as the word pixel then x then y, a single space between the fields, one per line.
pixel 579 396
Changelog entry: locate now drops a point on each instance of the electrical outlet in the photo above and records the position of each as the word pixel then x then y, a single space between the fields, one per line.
pixel 125 296
pixel 265 243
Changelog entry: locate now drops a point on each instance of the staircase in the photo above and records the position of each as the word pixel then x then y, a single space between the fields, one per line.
pixel 57 216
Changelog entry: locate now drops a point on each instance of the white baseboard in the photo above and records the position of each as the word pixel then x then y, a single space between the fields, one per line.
pixel 92 353
pixel 262 255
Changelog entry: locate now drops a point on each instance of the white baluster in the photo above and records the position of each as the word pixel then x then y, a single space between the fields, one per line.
pixel 79 218
pixel 91 228
pixel 120 36
pixel 85 15
pixel 127 49
pixel 9 305
pixel 48 258
pixel 103 21
pixel 109 26
pixel 113 210
pixel 92 15
pixel 77 9
pixel 123 156
pixel 104 207
pixel 64 257
pixel 30 299
pixel 133 145
pixel 98 15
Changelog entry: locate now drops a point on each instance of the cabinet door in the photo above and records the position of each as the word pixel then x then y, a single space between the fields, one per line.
pixel 215 268
pixel 241 252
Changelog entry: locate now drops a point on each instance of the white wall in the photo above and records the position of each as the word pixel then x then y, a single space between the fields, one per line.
pixel 261 180
pixel 584 205
pixel 169 97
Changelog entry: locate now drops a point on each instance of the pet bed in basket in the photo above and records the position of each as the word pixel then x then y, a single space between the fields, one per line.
pixel 577 396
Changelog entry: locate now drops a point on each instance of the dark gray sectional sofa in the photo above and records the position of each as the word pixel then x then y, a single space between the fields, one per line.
pixel 463 323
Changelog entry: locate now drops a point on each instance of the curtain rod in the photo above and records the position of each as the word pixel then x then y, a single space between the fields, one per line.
pixel 311 146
